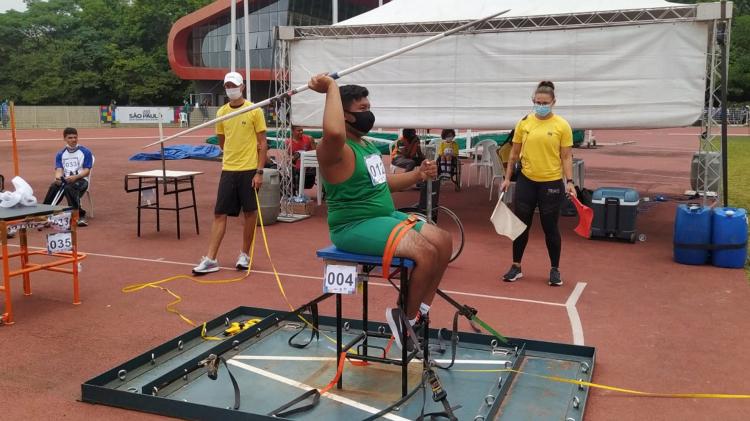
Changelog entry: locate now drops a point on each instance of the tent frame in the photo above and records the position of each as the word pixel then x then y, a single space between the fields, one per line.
pixel 717 55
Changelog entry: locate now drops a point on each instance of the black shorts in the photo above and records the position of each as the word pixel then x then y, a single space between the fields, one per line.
pixel 235 193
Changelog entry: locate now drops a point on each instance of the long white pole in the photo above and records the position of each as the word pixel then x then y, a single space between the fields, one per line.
pixel 233 36
pixel 246 18
pixel 335 9
pixel 334 75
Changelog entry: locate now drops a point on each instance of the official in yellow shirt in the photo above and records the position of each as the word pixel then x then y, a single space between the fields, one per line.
pixel 243 140
pixel 543 143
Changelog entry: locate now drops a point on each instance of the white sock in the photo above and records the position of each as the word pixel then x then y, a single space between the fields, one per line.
pixel 413 321
pixel 424 308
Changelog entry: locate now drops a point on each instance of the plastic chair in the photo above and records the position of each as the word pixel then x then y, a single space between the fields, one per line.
pixel 87 195
pixel 482 159
pixel 497 167
pixel 309 159
pixel 183 119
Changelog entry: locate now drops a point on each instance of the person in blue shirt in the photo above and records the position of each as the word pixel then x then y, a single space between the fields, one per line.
pixel 72 168
pixel 4 114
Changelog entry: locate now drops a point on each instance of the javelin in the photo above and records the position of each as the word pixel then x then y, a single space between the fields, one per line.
pixel 334 75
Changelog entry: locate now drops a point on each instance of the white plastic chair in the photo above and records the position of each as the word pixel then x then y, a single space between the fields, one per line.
pixel 497 167
pixel 183 119
pixel 87 193
pixel 482 160
pixel 309 159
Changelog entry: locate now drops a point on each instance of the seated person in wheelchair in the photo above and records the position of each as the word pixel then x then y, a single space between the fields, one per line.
pixel 301 142
pixel 448 153
pixel 407 154
pixel 361 213
pixel 72 167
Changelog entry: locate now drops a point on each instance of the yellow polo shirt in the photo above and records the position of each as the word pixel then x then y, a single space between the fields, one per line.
pixel 542 140
pixel 240 137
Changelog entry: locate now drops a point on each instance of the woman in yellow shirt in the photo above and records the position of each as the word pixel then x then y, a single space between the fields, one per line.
pixel 543 143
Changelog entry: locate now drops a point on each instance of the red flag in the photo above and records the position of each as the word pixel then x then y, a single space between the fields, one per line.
pixel 585 216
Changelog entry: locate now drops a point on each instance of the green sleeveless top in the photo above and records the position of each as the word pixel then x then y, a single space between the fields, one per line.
pixel 365 194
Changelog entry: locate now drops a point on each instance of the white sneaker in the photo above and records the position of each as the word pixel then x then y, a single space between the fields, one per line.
pixel 243 261
pixel 206 266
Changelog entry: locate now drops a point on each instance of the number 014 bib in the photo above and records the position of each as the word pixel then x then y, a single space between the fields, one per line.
pixel 376 169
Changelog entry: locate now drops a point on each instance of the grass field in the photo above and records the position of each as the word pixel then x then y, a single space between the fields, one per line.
pixel 739 175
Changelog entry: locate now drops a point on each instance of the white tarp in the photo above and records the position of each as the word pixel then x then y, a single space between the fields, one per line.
pixel 649 75
pixel 398 11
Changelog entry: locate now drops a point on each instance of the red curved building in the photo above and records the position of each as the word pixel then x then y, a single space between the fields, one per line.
pixel 199 43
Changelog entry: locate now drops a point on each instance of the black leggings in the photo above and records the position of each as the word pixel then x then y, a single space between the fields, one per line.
pixel 548 195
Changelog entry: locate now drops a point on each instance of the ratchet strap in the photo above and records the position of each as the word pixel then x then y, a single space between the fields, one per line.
pixel 398 232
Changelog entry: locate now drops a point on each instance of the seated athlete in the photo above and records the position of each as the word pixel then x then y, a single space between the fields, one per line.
pixel 361 214
pixel 448 153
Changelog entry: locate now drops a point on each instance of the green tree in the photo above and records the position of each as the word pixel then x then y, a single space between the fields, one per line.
pixel 91 51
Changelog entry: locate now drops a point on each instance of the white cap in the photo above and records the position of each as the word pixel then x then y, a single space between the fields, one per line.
pixel 233 77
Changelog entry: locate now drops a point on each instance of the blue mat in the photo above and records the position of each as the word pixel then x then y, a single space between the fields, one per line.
pixel 181 152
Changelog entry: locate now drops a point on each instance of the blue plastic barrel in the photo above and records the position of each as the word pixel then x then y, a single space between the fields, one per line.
pixel 729 237
pixel 692 234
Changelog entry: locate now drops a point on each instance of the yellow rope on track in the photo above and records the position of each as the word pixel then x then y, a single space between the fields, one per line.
pixel 613 388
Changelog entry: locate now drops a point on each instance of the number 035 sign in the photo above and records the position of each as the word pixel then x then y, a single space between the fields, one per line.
pixel 59 241
pixel 340 279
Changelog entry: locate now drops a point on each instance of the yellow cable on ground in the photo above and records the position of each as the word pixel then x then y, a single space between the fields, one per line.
pixel 177 299
pixel 613 388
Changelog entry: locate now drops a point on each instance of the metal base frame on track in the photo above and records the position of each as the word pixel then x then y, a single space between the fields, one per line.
pixel 170 380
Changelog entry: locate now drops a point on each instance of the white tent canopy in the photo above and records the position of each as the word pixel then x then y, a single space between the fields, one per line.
pixel 639 74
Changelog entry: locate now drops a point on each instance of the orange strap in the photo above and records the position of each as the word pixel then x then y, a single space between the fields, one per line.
pixel 394 238
pixel 339 371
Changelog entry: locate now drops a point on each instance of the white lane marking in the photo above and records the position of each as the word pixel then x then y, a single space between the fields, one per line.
pixel 292 358
pixel 575 318
pixel 303 386
pixel 635 173
pixel 380 284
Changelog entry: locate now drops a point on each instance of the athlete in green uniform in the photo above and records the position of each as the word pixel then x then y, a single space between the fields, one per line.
pixel 361 214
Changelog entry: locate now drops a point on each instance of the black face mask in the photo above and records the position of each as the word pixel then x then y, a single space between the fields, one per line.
pixel 364 120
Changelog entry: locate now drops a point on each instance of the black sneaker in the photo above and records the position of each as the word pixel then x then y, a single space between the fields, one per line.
pixel 394 317
pixel 554 277
pixel 83 222
pixel 513 274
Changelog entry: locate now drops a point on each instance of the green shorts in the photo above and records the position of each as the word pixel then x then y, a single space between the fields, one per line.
pixel 368 236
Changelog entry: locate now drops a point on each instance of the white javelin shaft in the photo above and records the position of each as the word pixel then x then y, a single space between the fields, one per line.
pixel 334 75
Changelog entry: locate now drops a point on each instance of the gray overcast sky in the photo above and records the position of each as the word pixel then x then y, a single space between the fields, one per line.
pixel 12 4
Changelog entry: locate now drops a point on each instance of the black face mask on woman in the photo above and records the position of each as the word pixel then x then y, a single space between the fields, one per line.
pixel 364 120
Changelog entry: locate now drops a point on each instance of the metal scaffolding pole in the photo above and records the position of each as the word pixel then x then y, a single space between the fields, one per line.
pixel 724 42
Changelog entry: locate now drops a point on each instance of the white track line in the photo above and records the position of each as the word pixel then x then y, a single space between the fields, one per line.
pixel 575 318
pixel 303 386
pixel 291 358
pixel 636 173
pixel 293 275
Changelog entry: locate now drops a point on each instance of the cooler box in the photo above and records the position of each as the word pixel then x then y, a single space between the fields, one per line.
pixel 615 211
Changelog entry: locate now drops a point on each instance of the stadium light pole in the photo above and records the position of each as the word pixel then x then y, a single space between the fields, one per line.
pixel 233 36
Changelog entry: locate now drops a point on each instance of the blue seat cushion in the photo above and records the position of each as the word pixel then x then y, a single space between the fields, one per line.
pixel 332 253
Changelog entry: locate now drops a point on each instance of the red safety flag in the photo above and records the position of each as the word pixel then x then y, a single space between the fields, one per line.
pixel 585 217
